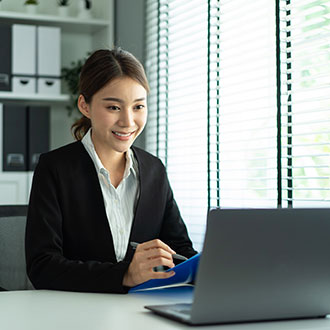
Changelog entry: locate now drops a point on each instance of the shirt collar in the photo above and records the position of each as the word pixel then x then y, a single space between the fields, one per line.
pixel 130 160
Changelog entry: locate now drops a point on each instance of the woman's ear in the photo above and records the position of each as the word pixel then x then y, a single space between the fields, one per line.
pixel 83 106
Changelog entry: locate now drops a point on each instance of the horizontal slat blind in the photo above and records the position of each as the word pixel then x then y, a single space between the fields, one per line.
pixel 247 115
pixel 305 109
pixel 178 108
pixel 187 111
pixel 151 66
pixel 240 104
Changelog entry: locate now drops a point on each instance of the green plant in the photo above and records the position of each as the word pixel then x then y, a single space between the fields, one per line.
pixel 63 3
pixel 31 2
pixel 70 76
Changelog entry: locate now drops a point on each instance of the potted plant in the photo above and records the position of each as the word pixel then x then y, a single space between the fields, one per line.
pixel 31 6
pixel 84 10
pixel 63 7
pixel 70 75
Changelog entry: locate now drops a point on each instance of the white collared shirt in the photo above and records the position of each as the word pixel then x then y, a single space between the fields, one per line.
pixel 119 202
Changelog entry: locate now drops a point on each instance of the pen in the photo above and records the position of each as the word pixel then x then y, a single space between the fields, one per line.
pixel 174 256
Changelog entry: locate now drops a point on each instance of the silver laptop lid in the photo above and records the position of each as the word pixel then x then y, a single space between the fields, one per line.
pixel 264 264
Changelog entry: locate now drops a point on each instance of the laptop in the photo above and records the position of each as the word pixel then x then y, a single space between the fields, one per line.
pixel 260 264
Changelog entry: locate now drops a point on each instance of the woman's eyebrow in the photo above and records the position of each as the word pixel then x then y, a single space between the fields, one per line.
pixel 115 99
pixel 140 99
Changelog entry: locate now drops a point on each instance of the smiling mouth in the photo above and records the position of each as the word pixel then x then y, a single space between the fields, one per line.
pixel 122 134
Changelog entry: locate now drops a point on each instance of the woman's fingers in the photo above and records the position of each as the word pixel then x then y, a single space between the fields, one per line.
pixel 148 259
pixel 155 244
pixel 159 275
pixel 147 256
pixel 155 253
pixel 158 261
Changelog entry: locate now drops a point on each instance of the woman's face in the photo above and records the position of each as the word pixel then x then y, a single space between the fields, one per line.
pixel 118 113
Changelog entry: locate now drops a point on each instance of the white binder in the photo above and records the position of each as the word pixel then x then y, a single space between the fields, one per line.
pixel 49 51
pixel 23 49
pixel 26 85
pixel 49 86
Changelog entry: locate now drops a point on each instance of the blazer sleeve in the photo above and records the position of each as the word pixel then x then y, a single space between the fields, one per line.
pixel 174 231
pixel 47 267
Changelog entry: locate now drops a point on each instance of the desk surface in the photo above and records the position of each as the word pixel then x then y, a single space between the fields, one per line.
pixel 48 310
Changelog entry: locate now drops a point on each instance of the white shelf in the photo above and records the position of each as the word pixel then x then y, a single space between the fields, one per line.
pixel 68 24
pixel 9 96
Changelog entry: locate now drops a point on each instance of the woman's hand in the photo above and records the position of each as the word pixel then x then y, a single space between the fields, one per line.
pixel 147 256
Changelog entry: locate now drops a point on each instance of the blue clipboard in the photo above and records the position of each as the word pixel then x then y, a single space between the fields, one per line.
pixel 184 273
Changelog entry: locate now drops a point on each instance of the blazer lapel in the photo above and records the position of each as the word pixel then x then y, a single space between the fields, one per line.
pixel 98 198
pixel 140 223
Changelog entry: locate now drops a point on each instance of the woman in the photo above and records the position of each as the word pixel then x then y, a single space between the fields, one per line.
pixel 93 197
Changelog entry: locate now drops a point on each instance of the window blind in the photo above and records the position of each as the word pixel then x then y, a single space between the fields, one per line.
pixel 305 61
pixel 247 114
pixel 239 110
pixel 151 67
pixel 177 123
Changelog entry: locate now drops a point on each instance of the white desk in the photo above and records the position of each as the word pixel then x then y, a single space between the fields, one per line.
pixel 48 310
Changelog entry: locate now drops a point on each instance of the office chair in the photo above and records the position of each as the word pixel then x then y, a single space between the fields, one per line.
pixel 12 248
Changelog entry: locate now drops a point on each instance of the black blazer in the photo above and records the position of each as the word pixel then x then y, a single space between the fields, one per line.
pixel 68 239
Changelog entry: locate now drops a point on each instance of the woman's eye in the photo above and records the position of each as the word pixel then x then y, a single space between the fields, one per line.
pixel 113 107
pixel 139 107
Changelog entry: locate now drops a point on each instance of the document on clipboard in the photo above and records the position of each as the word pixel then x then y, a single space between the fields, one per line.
pixel 184 273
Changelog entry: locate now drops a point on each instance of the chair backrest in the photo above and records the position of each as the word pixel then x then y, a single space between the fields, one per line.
pixel 12 248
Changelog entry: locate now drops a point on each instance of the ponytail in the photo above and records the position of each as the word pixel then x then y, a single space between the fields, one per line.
pixel 81 127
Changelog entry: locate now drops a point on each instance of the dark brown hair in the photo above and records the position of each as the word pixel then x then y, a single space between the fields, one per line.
pixel 100 68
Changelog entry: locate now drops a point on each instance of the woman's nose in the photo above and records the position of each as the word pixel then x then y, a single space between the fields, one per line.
pixel 126 118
